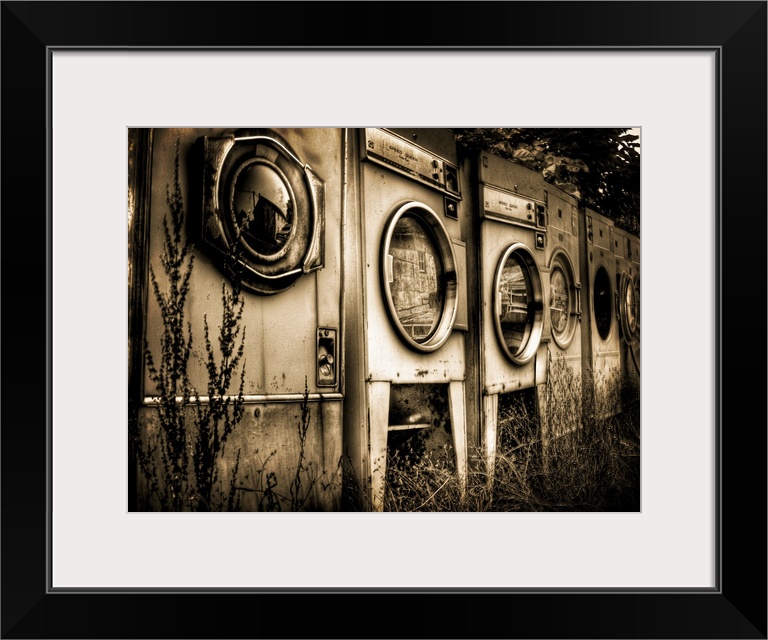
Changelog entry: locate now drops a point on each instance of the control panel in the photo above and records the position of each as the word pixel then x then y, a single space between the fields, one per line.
pixel 390 150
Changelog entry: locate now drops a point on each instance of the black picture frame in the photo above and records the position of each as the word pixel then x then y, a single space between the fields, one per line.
pixel 735 609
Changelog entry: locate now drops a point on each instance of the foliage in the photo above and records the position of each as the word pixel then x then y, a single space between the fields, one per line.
pixel 179 458
pixel 599 166
pixel 305 483
pixel 168 478
pixel 587 458
pixel 300 496
pixel 216 419
pixel 182 455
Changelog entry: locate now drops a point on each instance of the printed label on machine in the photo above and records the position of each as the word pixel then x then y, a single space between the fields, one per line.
pixel 508 206
pixel 398 152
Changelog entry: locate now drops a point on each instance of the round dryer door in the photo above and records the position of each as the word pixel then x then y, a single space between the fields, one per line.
pixel 263 210
pixel 518 304
pixel 418 273
pixel 602 303
pixel 637 306
pixel 563 300
pixel 628 306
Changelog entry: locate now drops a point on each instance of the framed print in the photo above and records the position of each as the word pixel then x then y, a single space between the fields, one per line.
pixel 93 91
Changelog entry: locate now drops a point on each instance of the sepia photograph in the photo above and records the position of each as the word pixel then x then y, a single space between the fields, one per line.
pixel 378 274
pixel 380 289
pixel 384 319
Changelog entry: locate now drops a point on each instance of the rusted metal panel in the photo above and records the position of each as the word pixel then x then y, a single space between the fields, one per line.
pixel 600 331
pixel 510 175
pixel 440 141
pixel 498 370
pixel 139 172
pixel 281 346
pixel 387 356
pixel 284 351
pixel 264 463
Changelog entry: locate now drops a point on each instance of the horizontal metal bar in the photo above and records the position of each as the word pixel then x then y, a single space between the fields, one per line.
pixel 404 427
pixel 567 358
pixel 502 387
pixel 150 401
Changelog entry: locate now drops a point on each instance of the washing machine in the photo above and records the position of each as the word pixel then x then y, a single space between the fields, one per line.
pixel 405 312
pixel 600 331
pixel 627 251
pixel 513 319
pixel 263 209
pixel 560 400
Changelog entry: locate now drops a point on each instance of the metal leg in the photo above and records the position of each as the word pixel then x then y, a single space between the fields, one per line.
pixel 546 435
pixel 378 401
pixel 459 429
pixel 331 416
pixel 491 416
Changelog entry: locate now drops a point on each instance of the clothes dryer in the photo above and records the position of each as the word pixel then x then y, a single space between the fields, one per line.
pixel 406 314
pixel 627 250
pixel 513 280
pixel 560 399
pixel 263 209
pixel 600 327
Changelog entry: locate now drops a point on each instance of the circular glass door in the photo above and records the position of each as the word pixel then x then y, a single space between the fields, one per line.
pixel 418 271
pixel 263 210
pixel 602 302
pixel 637 307
pixel 518 304
pixel 563 302
pixel 628 308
